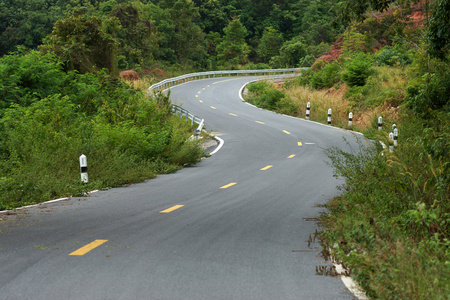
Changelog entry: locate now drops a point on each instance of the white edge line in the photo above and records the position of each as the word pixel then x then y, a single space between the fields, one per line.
pixel 42 203
pixel 350 284
pixel 221 142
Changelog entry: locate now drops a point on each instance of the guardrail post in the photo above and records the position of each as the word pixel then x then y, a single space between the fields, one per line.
pixel 329 116
pixel 83 168
pixel 350 119
pixel 308 109
pixel 380 123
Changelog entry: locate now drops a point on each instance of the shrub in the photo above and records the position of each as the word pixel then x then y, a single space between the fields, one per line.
pixel 391 56
pixel 357 70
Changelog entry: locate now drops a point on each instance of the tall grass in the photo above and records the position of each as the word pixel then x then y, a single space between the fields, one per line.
pixel 391 226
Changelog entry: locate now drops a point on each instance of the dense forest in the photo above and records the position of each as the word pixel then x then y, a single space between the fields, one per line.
pixel 200 34
pixel 61 95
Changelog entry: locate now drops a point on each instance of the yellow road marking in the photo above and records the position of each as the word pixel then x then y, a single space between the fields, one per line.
pixel 228 185
pixel 196 96
pixel 203 89
pixel 88 247
pixel 291 156
pixel 199 92
pixel 266 167
pixel 212 107
pixel 287 132
pixel 299 144
pixel 208 86
pixel 223 80
pixel 170 209
pixel 200 101
pixel 259 122
pixel 233 115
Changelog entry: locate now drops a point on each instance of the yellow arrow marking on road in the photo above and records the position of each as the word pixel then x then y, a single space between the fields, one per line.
pixel 266 167
pixel 170 209
pixel 88 247
pixel 228 185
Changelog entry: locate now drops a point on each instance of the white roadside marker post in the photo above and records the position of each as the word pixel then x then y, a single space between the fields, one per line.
pixel 350 119
pixel 308 109
pixel 391 138
pixel 380 123
pixel 83 168
pixel 329 116
pixel 395 137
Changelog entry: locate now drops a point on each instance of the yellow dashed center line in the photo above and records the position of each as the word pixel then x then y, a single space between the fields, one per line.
pixel 170 209
pixel 291 156
pixel 266 167
pixel 287 132
pixel 201 101
pixel 212 107
pixel 196 96
pixel 234 115
pixel 228 185
pixel 88 247
pixel 259 122
pixel 299 144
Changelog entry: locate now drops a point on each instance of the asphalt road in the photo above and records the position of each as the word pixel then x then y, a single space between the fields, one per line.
pixel 234 226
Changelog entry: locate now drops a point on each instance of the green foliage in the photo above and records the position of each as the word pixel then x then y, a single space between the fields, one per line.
pixel 356 42
pixel 357 70
pixel 439 30
pixel 429 92
pixel 82 45
pixel 264 95
pixel 138 38
pixel 233 50
pixel 48 121
pixel 391 56
pixel 291 52
pixel 321 75
pixel 270 44
pixel 391 226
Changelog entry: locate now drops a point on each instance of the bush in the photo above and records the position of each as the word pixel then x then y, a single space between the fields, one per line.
pixel 264 95
pixel 357 70
pixel 391 56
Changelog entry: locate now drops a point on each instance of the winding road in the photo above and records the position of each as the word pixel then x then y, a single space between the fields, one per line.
pixel 234 226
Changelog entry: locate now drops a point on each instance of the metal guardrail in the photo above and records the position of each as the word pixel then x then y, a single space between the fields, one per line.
pixel 272 73
pixel 177 110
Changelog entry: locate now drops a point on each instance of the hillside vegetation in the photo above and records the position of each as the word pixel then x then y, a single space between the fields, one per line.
pixel 61 96
pixel 391 226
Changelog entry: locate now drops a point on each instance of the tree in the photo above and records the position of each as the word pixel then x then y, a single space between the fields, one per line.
pixel 82 45
pixel 439 30
pixel 270 44
pixel 138 37
pixel 290 53
pixel 233 50
pixel 189 40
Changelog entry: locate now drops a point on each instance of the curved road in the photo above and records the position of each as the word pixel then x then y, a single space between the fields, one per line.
pixel 234 226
